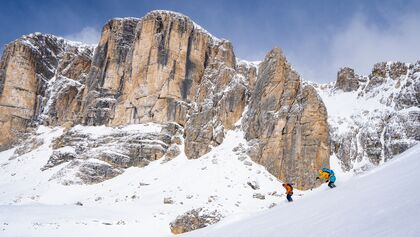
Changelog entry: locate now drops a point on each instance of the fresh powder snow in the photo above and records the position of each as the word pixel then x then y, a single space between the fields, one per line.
pixel 382 202
pixel 131 204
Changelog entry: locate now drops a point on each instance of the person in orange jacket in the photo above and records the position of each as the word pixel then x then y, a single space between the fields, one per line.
pixel 289 191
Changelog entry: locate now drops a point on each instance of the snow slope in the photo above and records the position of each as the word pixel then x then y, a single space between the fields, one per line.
pixel 131 204
pixel 382 202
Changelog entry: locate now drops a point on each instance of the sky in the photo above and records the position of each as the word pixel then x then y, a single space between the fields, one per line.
pixel 317 37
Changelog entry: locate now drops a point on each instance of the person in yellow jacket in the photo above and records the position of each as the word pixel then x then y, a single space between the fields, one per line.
pixel 323 175
pixel 328 175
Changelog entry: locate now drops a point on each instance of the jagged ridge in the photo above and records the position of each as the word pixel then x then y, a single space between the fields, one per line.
pixel 374 117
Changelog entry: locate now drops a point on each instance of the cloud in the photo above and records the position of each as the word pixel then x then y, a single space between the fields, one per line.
pixel 87 35
pixel 362 44
pixel 359 44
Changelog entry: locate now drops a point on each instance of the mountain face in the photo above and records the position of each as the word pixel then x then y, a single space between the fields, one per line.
pixel 40 78
pixel 285 123
pixel 162 69
pixel 160 128
pixel 373 118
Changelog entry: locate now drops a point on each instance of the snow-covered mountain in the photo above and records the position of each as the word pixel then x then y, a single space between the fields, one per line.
pixel 165 69
pixel 159 130
pixel 373 118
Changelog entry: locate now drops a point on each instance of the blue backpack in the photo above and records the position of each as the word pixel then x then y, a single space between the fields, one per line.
pixel 331 172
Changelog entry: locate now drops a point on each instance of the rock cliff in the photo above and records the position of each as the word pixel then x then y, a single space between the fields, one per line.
pixel 287 124
pixel 163 68
pixel 40 78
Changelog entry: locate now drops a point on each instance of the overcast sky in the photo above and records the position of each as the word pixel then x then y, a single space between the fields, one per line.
pixel 317 37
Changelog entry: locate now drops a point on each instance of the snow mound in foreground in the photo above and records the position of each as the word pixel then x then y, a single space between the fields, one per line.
pixel 383 202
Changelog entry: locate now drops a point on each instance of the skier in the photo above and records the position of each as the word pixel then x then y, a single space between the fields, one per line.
pixel 328 175
pixel 289 191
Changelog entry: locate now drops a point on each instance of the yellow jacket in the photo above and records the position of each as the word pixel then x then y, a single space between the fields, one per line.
pixel 323 175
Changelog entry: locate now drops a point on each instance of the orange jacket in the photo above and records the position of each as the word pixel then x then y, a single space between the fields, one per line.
pixel 289 188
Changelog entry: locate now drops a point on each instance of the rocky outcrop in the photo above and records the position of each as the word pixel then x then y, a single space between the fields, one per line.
pixel 392 70
pixel 30 66
pixel 85 172
pixel 347 80
pixel 111 150
pixel 386 121
pixel 193 220
pixel 287 124
pixel 384 72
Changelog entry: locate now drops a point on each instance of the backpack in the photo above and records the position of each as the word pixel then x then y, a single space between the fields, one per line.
pixel 289 186
pixel 331 172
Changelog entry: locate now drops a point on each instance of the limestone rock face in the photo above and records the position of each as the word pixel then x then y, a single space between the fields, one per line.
pixel 167 65
pixel 28 67
pixel 162 68
pixel 347 80
pixel 18 95
pixel 106 78
pixel 287 123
